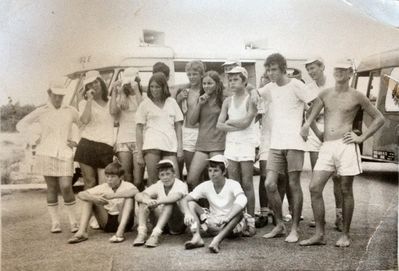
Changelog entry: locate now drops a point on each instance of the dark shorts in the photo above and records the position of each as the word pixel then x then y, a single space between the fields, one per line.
pixel 285 160
pixel 94 154
pixel 159 152
pixel 113 224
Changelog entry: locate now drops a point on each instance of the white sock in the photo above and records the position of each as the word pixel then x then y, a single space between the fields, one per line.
pixel 156 231
pixel 142 230
pixel 71 211
pixel 54 213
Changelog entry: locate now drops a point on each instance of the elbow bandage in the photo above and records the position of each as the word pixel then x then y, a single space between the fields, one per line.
pixel 241 200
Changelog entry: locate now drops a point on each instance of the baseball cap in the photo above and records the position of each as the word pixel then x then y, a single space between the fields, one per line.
pixel 164 162
pixel 129 75
pixel 241 70
pixel 58 87
pixel 231 61
pixel 314 59
pixel 90 77
pixel 220 159
pixel 343 64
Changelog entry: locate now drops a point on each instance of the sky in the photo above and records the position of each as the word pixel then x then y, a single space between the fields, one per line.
pixel 44 39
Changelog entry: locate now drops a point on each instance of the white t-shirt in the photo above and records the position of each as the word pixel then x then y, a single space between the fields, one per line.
pixel 101 125
pixel 266 128
pixel 127 122
pixel 222 203
pixel 286 109
pixel 114 206
pixel 157 190
pixel 159 124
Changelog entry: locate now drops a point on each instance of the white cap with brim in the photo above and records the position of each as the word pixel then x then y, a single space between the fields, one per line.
pixel 236 70
pixel 58 87
pixel 343 64
pixel 220 159
pixel 231 62
pixel 90 77
pixel 129 75
pixel 165 162
pixel 314 59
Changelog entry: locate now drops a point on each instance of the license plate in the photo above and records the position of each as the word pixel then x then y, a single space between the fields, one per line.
pixel 385 155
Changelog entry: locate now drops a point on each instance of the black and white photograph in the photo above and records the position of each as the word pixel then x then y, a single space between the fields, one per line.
pixel 196 135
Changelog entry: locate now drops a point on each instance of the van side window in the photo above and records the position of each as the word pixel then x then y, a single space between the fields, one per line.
pixel 392 97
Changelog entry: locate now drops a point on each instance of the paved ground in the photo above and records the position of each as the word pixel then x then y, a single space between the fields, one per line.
pixel 28 245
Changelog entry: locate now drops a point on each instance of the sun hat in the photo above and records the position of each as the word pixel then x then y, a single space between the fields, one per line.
pixel 90 77
pixel 343 64
pixel 164 162
pixel 220 159
pixel 314 59
pixel 231 61
pixel 241 70
pixel 57 87
pixel 129 75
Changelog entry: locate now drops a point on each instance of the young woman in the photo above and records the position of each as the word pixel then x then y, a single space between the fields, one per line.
pixel 95 148
pixel 211 141
pixel 159 128
pixel 125 99
pixel 54 155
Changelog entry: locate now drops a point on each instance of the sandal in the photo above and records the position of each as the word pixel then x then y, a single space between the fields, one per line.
pixel 117 239
pixel 77 239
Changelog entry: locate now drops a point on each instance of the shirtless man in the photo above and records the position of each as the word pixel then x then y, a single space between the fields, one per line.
pixel 339 151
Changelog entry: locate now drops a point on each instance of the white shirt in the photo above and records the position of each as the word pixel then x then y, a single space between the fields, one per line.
pixel 127 122
pixel 286 108
pixel 55 129
pixel 101 125
pixel 266 129
pixel 114 206
pixel 219 203
pixel 159 124
pixel 157 190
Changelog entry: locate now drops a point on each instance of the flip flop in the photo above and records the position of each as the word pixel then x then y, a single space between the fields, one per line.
pixel 117 239
pixel 77 239
pixel 191 245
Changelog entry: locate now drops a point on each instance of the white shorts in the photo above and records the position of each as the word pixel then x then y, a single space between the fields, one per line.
pixel 337 156
pixel 240 152
pixel 190 136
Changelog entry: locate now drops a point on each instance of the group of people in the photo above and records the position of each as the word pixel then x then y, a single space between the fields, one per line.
pixel 213 132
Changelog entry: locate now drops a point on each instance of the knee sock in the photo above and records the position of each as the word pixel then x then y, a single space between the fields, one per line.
pixel 71 210
pixel 54 213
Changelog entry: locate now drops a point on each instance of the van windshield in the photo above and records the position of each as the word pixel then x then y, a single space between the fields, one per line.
pixel 392 98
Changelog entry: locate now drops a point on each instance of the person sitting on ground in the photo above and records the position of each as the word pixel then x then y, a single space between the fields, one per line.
pixel 163 200
pixel 227 201
pixel 112 204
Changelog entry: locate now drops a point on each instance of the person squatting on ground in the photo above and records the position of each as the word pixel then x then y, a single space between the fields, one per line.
pixel 237 118
pixel 225 216
pixel 286 154
pixel 340 150
pixel 315 68
pixel 161 199
pixel 159 128
pixel 111 203
pixel 187 100
pixel 54 152
pixel 211 141
pixel 125 98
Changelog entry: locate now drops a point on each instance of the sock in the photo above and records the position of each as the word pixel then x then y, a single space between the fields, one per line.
pixel 71 210
pixel 54 214
pixel 141 229
pixel 251 222
pixel 156 231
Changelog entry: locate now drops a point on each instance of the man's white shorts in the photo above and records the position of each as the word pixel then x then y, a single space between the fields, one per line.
pixel 240 152
pixel 337 156
pixel 190 136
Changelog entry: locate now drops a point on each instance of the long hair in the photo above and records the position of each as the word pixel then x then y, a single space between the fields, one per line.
pixel 219 86
pixel 160 79
pixel 104 90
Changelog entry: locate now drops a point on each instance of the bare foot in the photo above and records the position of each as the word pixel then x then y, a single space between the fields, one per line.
pixel 194 243
pixel 343 241
pixel 315 240
pixel 214 248
pixel 277 231
pixel 293 237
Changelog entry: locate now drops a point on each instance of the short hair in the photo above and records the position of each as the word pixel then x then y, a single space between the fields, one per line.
pixel 161 67
pixel 165 166
pixel 197 66
pixel 219 165
pixel 277 59
pixel 219 86
pixel 160 79
pixel 114 168
pixel 104 89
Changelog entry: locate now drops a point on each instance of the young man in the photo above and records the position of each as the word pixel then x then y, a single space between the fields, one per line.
pixel 112 204
pixel 228 65
pixel 187 100
pixel 288 97
pixel 237 119
pixel 315 68
pixel 163 199
pixel 226 206
pixel 339 151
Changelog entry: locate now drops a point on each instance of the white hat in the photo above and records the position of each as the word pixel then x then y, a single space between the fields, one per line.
pixel 220 159
pixel 129 75
pixel 241 70
pixel 90 77
pixel 314 59
pixel 343 64
pixel 232 61
pixel 57 87
pixel 165 162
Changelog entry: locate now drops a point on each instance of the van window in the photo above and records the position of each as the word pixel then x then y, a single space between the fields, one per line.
pixel 70 97
pixel 107 76
pixel 374 87
pixel 392 97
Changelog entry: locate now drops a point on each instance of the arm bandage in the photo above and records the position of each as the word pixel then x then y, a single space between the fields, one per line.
pixel 241 200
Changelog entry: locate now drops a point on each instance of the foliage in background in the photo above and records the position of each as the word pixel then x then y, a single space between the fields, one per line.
pixel 12 113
